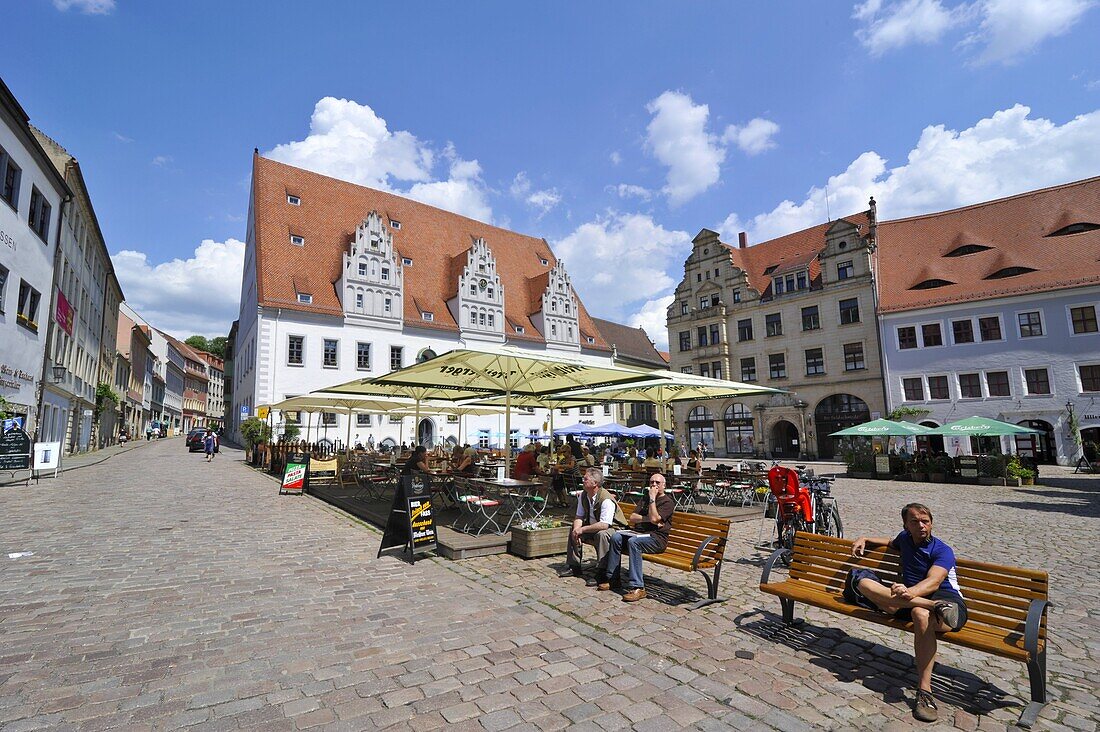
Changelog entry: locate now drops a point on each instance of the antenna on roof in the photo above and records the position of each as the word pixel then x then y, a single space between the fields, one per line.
pixel 828 214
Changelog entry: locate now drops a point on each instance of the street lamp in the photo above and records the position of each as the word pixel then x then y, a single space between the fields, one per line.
pixel 1069 407
pixel 59 374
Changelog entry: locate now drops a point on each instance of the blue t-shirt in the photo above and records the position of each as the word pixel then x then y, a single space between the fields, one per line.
pixel 917 560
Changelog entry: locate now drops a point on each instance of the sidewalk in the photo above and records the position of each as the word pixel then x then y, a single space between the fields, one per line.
pixel 75 462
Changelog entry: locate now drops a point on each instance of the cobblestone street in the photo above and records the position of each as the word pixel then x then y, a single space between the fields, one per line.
pixel 166 593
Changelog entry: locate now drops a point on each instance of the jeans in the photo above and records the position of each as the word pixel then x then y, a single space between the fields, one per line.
pixel 635 546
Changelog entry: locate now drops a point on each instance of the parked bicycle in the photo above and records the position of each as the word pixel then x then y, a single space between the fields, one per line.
pixel 804 503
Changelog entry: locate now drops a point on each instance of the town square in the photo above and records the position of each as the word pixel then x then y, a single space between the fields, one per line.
pixel 491 367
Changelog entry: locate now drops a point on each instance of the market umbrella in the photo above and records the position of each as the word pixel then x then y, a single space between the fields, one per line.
pixel 577 429
pixel 981 427
pixel 325 402
pixel 550 402
pixel 508 371
pixel 645 431
pixel 883 428
pixel 460 410
pixel 611 430
pixel 665 387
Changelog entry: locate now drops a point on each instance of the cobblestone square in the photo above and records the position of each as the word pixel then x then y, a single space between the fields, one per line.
pixel 166 593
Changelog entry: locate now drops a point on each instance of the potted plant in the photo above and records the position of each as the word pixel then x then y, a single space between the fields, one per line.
pixel 1017 473
pixel 255 432
pixel 541 537
pixel 861 463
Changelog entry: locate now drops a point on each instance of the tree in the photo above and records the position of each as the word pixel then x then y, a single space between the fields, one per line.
pixel 198 342
pixel 255 431
pixel 215 346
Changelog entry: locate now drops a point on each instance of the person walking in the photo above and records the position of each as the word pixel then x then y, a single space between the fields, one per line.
pixel 210 444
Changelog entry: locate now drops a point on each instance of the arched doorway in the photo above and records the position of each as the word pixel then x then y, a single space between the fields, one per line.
pixel 785 441
pixel 932 444
pixel 1040 447
pixel 700 424
pixel 739 431
pixel 425 433
pixel 835 413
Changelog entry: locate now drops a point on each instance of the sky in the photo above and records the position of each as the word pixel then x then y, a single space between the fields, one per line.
pixel 616 131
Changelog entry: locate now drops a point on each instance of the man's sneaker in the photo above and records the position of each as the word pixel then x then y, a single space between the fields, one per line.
pixel 948 612
pixel 925 709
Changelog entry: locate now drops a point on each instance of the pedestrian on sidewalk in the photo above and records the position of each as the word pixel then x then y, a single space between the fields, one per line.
pixel 210 443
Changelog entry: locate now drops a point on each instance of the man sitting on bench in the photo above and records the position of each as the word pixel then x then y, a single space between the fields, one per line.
pixel 598 516
pixel 928 593
pixel 651 524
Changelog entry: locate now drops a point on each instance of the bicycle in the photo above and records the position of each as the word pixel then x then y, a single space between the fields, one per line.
pixel 810 507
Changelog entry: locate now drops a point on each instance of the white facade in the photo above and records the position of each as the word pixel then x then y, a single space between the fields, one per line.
pixel 30 190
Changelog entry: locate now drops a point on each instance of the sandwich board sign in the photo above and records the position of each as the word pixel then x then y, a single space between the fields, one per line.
pixel 294 474
pixel 411 523
pixel 15 451
pixel 47 457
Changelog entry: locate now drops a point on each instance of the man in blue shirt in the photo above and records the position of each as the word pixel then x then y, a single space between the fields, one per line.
pixel 928 593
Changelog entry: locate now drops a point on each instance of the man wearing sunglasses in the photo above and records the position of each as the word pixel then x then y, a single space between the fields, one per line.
pixel 650 525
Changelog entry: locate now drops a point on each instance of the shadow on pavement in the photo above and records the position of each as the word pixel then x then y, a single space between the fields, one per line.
pixel 1090 484
pixel 882 674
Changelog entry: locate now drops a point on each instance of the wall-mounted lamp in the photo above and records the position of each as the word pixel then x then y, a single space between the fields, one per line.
pixel 59 374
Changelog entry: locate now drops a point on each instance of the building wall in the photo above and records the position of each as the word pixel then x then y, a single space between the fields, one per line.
pixel 1058 350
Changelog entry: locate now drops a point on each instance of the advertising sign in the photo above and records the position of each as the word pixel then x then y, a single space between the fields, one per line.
pixel 411 523
pixel 15 450
pixel 64 315
pixel 47 456
pixel 322 471
pixel 294 474
pixel 882 464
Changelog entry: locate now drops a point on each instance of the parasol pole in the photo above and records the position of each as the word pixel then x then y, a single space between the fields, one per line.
pixel 508 432
pixel 347 444
pixel 416 425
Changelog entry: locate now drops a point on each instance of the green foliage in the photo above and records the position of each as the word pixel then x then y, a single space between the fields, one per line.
pixel 215 346
pixel 291 432
pixel 1015 469
pixel 3 408
pixel 1074 429
pixel 255 432
pixel 860 460
pixel 103 394
pixel 900 412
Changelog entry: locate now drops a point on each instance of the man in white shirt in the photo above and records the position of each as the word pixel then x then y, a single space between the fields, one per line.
pixel 598 516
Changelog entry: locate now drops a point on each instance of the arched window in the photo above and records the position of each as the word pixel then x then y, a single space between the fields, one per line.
pixel 739 429
pixel 701 428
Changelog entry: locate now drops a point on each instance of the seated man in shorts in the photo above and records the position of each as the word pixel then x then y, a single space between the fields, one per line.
pixel 928 593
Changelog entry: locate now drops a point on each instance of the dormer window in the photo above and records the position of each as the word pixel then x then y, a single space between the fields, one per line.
pixel 428 316
pixel 931 284
pixel 590 340
pixel 293 200
pixel 1076 228
pixel 543 261
pixel 520 329
pixel 481 266
pixel 967 249
pixel 1009 272
pixel 304 298
pixel 298 241
pixel 395 225
pixel 406 261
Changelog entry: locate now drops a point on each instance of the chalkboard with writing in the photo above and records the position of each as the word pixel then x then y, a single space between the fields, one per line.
pixel 15 450
pixel 411 523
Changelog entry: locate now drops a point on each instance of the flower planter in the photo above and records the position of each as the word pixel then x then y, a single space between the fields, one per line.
pixel 1027 481
pixel 990 481
pixel 937 477
pixel 1012 482
pixel 531 543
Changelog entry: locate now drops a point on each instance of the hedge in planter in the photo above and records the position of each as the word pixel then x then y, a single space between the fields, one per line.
pixel 539 538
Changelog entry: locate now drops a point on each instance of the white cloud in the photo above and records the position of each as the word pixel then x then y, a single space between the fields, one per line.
pixel 88 7
pixel 653 316
pixel 348 140
pixel 121 137
pixel 753 138
pixel 186 296
pixel 621 261
pixel 1007 153
pixel 1011 28
pixel 615 157
pixel 1002 30
pixel 162 161
pixel 542 201
pixel 629 190
pixel 677 136
pixel 901 24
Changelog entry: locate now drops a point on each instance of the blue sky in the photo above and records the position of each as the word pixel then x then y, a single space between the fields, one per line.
pixel 614 130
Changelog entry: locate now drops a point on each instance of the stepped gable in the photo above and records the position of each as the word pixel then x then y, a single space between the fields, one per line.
pixel 1018 231
pixel 329 213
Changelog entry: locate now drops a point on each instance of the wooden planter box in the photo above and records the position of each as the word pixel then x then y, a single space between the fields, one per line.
pixel 860 474
pixel 528 543
pixel 937 477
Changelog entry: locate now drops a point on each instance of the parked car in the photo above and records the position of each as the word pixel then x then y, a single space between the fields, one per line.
pixel 194 441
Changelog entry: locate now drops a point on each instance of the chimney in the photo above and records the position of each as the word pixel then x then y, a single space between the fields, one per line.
pixel 742 240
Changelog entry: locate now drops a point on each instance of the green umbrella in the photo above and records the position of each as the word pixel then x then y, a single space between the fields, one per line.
pixel 981 427
pixel 883 428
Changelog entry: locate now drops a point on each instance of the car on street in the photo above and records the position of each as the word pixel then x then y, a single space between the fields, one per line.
pixel 194 441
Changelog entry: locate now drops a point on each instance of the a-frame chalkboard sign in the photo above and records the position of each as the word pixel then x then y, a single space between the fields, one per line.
pixel 411 523
pixel 15 451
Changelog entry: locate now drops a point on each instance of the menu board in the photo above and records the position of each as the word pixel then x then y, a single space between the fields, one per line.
pixel 411 523
pixel 15 450
pixel 294 474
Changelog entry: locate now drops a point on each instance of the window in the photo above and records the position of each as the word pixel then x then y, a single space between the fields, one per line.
pixel 773 324
pixel 305 298
pixel 520 329
pixel 295 350
pixel 704 369
pixel 1031 324
pixel 385 274
pixel 606 410
pixel 543 261
pixel 358 301
pixel 10 175
pixel 585 411
pixel 777 286
pixel 853 357
pixel 28 306
pixel 777 366
pixel 937 387
pixel 39 215
pixel 406 261
pixel 913 389
pixel 1083 319
pixel 362 420
pixel 3 281
pixel 387 305
pixel 715 334
pixel 684 308
pixel 907 337
pixel 716 369
pixel 744 330
pixel 931 335
pixel 1090 377
pixel 748 369
pixel 429 317
pixel 736 295
pixel 298 241
pixel 685 369
pixel 293 200
pixel 989 329
pixel 329 356
pixel 962 331
pixel 701 333
pixel 362 356
pixel 590 339
pixel 704 302
pixel 810 318
pixel 996 383
pixel 563 411
pixel 1037 380
pixel 844 270
pixel 362 269
pixel 685 340
pixel 815 361
pixel 970 386
pixel 328 419
pixel 849 311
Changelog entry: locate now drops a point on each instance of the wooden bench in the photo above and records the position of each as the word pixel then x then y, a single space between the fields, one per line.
pixel 696 543
pixel 1007 606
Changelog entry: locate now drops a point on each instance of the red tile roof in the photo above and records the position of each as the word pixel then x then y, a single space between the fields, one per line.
pixel 1018 231
pixel 434 239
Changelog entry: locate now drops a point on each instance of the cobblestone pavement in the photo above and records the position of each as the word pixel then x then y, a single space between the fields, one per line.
pixel 166 593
